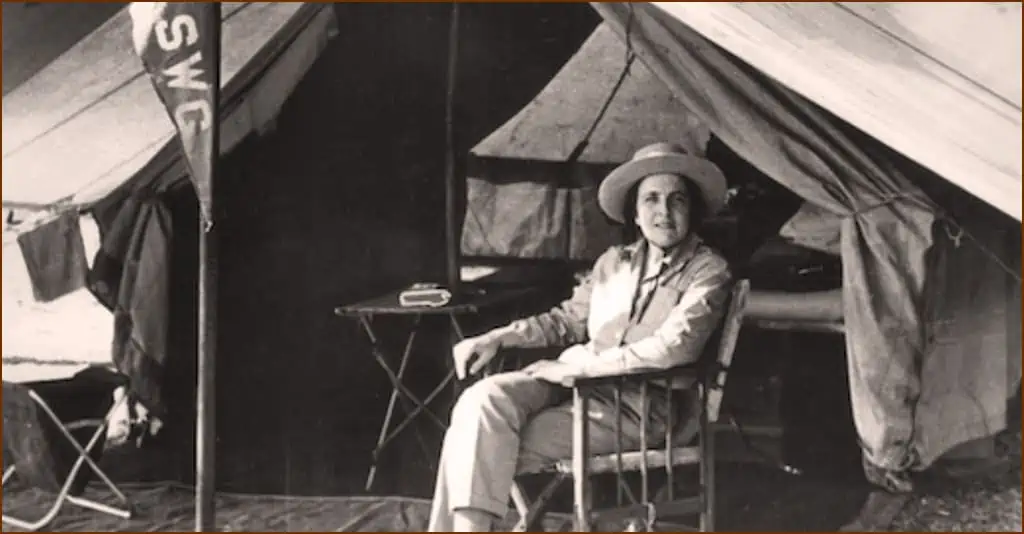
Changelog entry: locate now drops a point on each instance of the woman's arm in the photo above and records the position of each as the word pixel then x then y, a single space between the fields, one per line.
pixel 563 325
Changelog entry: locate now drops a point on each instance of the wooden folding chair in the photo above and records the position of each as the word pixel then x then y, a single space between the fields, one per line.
pixel 50 451
pixel 651 507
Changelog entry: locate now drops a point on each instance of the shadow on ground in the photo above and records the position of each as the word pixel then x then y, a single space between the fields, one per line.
pixel 751 498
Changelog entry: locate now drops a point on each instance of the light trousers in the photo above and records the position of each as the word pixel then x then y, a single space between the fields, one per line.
pixel 511 423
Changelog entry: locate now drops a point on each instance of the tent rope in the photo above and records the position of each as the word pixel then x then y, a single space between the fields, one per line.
pixel 956 238
pixel 953 229
pixel 963 232
pixel 577 151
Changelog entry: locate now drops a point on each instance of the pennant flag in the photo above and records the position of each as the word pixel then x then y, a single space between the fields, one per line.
pixel 178 45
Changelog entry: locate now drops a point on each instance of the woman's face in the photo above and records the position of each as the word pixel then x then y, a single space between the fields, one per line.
pixel 663 209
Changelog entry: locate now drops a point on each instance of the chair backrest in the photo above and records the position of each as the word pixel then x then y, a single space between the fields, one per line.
pixel 727 334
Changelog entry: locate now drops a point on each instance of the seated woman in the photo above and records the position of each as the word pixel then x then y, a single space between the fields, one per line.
pixel 647 305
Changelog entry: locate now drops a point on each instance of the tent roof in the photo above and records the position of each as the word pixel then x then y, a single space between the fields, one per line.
pixel 34 34
pixel 938 82
pixel 91 120
pixel 642 111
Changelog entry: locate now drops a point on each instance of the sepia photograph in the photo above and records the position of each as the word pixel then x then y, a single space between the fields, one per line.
pixel 616 266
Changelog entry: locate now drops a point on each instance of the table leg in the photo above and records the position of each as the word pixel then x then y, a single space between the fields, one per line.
pixel 383 438
pixel 407 394
pixel 399 391
pixel 410 418
pixel 402 393
pixel 456 327
pixel 412 406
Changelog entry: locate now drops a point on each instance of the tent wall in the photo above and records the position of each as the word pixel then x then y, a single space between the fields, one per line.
pixel 513 212
pixel 973 368
pixel 341 201
pixel 526 199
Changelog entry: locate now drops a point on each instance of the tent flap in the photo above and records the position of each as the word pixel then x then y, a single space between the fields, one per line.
pixel 887 221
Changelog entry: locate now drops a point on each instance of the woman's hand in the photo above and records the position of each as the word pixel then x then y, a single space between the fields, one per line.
pixel 552 370
pixel 472 354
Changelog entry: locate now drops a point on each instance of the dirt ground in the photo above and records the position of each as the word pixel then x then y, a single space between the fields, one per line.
pixel 751 498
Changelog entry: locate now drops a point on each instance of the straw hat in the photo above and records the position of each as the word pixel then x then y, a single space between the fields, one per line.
pixel 661 158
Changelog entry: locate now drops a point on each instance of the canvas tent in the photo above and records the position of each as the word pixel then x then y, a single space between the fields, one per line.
pixel 292 183
pixel 525 198
pixel 312 216
pixel 859 110
pixel 888 68
pixel 94 106
pixel 91 110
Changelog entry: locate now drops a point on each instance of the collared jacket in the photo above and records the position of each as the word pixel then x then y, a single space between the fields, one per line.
pixel 627 323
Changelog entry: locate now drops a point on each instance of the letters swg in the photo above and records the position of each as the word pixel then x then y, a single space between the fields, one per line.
pixel 194 114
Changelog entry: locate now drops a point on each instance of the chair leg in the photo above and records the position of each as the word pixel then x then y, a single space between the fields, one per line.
pixel 530 515
pixel 707 474
pixel 83 452
pixel 47 517
pixel 100 507
pixel 522 505
pixel 580 462
pixel 8 474
pixel 83 460
pixel 62 496
pixel 54 508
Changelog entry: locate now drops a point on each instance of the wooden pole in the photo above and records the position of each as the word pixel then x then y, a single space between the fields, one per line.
pixel 207 315
pixel 451 185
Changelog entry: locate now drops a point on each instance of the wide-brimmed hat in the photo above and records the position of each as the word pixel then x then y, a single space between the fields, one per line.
pixel 661 158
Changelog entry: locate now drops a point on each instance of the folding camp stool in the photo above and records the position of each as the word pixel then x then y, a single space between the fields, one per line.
pixel 651 507
pixel 33 428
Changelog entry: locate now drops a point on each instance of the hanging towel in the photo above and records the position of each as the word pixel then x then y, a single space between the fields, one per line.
pixel 55 257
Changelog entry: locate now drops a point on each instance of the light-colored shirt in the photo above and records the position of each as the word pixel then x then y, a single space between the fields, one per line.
pixel 629 313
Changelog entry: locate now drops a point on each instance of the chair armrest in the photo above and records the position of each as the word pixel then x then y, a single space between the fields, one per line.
pixel 638 375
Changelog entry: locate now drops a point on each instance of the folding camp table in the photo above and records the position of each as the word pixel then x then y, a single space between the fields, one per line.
pixel 41 420
pixel 469 302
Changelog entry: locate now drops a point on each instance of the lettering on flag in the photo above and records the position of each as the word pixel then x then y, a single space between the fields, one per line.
pixel 176 42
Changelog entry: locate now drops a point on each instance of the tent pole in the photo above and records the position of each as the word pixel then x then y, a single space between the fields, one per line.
pixel 207 316
pixel 451 188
